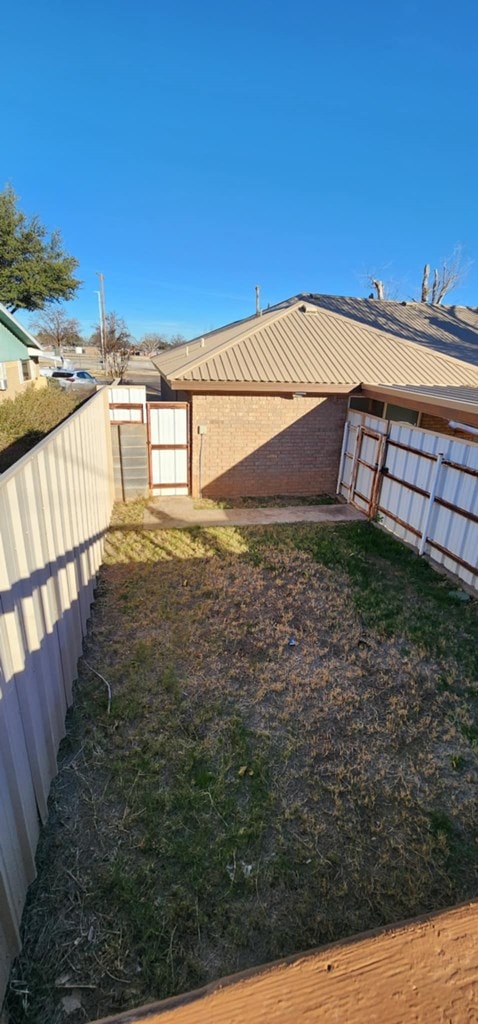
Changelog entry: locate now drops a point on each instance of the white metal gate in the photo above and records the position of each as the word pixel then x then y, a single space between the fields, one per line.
pixel 168 447
pixel 362 458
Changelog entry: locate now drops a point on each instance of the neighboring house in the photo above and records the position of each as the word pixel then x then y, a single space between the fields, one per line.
pixel 20 355
pixel 269 395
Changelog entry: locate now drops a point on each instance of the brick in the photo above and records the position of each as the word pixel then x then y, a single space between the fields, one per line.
pixel 262 445
pixel 440 426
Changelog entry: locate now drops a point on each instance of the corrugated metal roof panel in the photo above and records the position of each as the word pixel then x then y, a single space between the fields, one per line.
pixel 451 330
pixel 306 344
pixel 461 395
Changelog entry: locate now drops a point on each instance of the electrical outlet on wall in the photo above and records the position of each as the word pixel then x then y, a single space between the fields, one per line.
pixel 202 429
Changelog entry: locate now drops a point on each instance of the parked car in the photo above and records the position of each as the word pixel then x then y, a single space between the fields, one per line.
pixel 74 380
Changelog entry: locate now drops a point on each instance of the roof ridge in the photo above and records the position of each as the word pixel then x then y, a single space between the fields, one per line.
pixel 444 307
pixel 226 345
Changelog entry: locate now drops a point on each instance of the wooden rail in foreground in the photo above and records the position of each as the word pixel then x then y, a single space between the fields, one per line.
pixel 423 971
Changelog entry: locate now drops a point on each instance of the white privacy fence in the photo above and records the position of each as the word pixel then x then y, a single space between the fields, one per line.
pixel 166 443
pixel 423 485
pixel 127 404
pixel 55 507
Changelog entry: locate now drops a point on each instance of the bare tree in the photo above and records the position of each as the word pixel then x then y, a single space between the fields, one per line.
pixel 383 286
pixel 425 283
pixel 118 344
pixel 152 343
pixel 176 339
pixel 452 271
pixel 435 285
pixel 54 327
pixel 379 287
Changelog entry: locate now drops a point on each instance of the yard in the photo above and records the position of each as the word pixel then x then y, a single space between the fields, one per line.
pixel 290 758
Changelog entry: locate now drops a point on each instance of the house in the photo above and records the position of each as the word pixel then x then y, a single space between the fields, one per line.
pixel 269 395
pixel 20 355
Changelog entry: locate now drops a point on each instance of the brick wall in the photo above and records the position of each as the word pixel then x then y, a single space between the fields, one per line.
pixel 263 445
pixel 440 426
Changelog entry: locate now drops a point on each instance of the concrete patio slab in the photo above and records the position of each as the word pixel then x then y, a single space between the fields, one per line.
pixel 179 513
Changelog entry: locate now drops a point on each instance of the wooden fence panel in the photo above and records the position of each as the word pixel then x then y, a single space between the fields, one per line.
pixel 418 971
pixel 55 507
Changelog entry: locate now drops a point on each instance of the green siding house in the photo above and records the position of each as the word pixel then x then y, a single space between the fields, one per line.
pixel 19 357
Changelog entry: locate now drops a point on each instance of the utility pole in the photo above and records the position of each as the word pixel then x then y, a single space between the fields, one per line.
pixel 102 345
pixel 101 303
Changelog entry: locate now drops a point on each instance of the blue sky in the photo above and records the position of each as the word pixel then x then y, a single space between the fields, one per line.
pixel 192 150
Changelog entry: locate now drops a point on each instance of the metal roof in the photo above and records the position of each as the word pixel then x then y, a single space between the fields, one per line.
pixel 301 342
pixel 456 399
pixel 451 330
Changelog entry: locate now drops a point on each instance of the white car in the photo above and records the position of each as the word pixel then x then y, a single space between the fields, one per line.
pixel 76 379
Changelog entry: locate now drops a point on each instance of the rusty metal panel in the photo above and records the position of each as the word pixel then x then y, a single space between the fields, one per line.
pixel 452 534
pixel 398 502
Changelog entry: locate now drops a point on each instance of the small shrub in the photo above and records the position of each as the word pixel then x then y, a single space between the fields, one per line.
pixel 26 419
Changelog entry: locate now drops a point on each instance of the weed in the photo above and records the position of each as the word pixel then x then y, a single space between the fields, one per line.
pixel 471 733
pixel 440 824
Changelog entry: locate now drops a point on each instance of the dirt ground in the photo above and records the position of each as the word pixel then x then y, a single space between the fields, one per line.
pixel 290 758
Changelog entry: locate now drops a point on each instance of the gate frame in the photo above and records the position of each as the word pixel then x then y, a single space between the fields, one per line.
pixel 168 447
pixel 376 469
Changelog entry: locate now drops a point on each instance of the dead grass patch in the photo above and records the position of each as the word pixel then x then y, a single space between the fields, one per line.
pixel 247 797
pixel 279 501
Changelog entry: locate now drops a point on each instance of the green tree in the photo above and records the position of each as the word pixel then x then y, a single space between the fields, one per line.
pixel 35 270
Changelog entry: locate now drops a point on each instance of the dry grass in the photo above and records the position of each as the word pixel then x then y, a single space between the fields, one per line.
pixel 247 799
pixel 279 501
pixel 26 419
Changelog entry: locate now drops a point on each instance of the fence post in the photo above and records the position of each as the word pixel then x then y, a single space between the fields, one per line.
pixel 431 500
pixel 342 454
pixel 378 481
